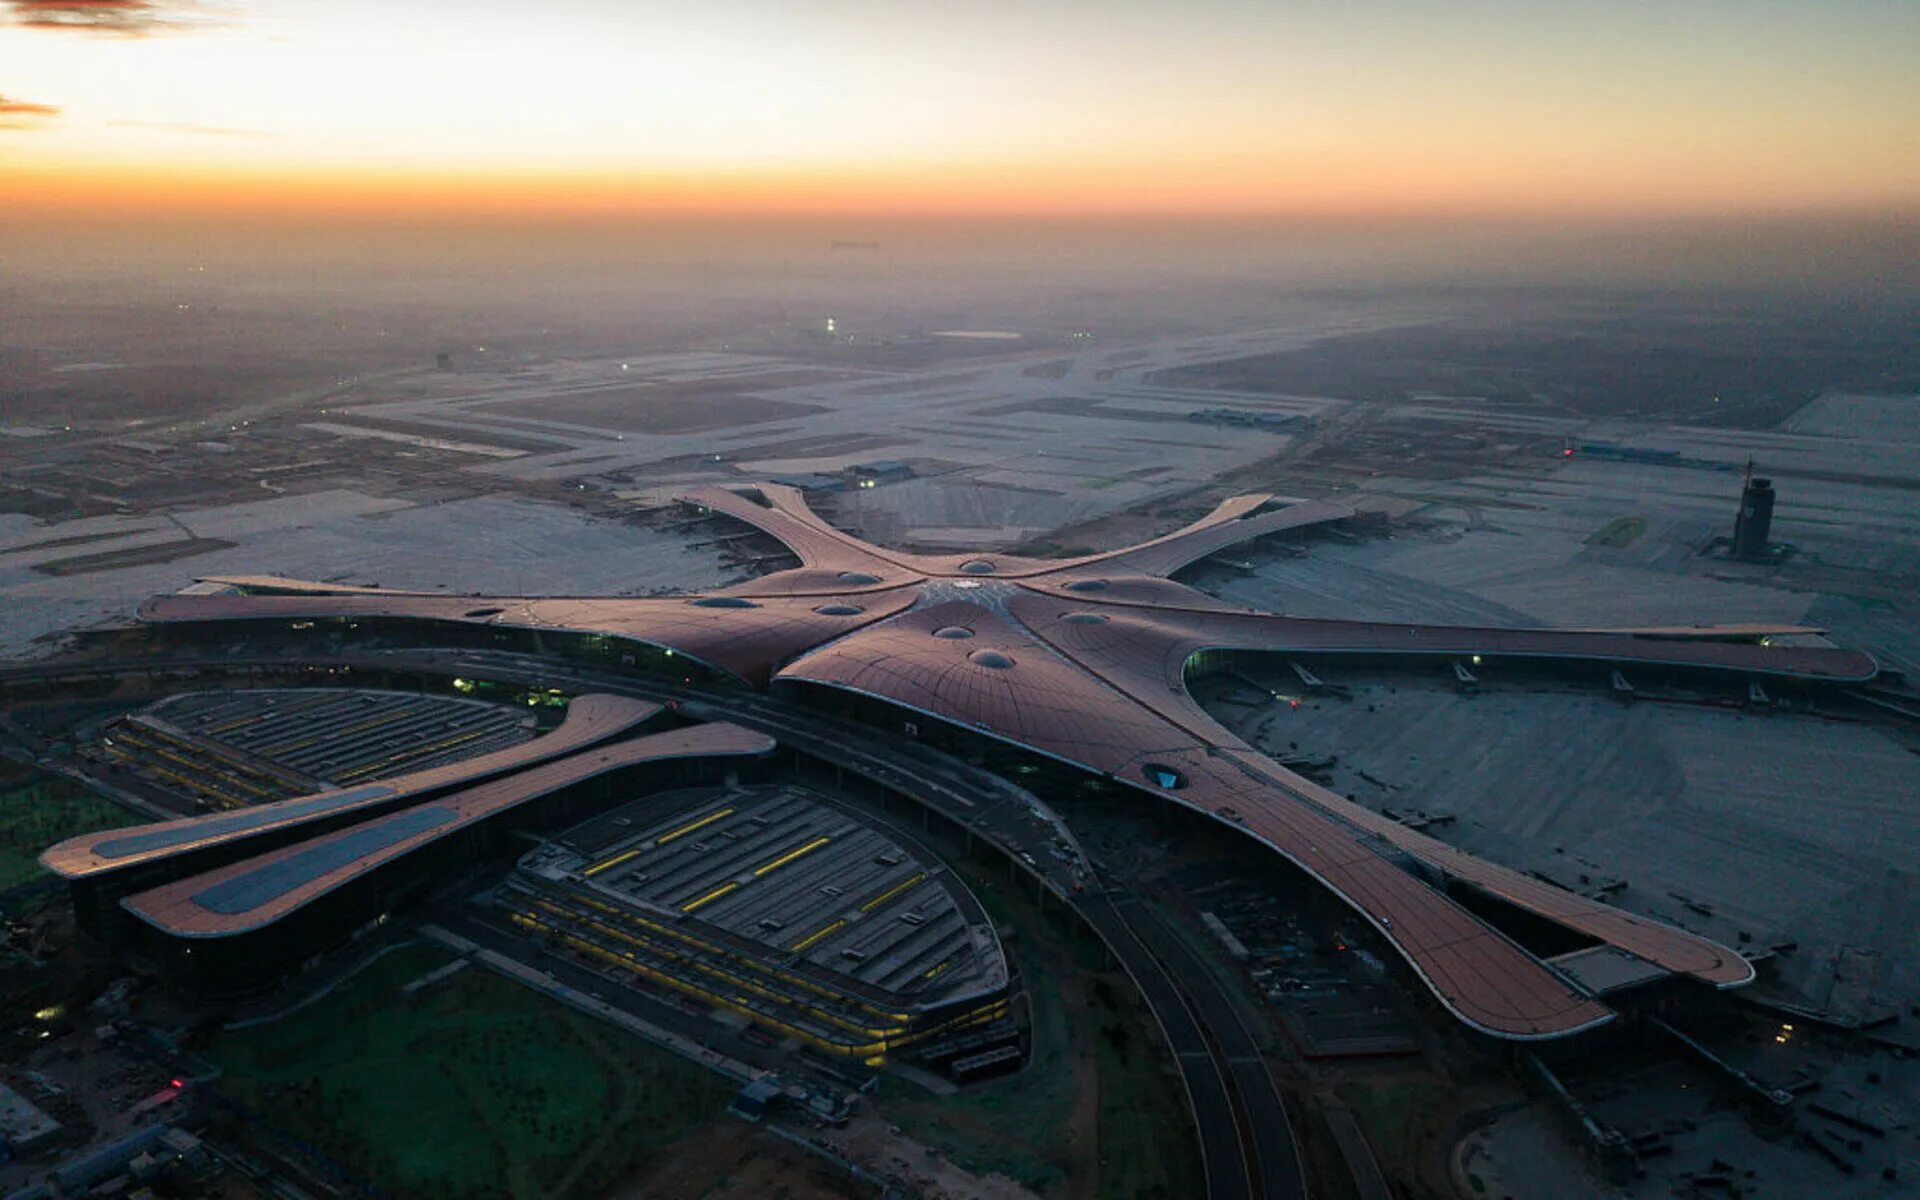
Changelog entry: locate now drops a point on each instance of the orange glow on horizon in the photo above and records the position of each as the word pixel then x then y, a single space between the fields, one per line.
pixel 756 109
pixel 1093 190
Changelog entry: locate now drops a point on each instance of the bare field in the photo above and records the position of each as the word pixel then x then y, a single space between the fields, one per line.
pixel 113 560
pixel 1667 360
pixel 500 545
pixel 731 1160
pixel 666 408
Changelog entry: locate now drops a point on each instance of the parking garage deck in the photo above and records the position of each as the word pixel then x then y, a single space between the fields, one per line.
pixel 339 737
pixel 774 902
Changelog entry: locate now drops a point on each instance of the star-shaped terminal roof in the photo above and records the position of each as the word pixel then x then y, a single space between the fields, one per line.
pixel 1084 660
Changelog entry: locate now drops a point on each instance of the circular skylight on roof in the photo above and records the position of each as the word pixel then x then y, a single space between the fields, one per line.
pixel 990 658
pixel 1085 618
pixel 1087 585
pixel 977 566
pixel 953 633
pixel 839 610
pixel 723 602
pixel 858 577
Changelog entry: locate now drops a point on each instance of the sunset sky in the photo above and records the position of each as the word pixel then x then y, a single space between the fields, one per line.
pixel 940 106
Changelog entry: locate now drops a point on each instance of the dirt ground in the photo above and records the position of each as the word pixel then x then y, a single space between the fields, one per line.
pixel 869 1139
pixel 1415 1114
pixel 1533 1161
pixel 663 408
pixel 732 1160
pixel 1083 1127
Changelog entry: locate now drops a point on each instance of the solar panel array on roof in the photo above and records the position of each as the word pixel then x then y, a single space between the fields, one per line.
pixel 347 736
pixel 275 878
pixel 776 905
pixel 237 822
pixel 801 877
pixel 286 879
pixel 590 718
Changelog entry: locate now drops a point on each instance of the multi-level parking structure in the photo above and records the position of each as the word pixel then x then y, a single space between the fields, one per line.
pixel 777 905
pixel 337 738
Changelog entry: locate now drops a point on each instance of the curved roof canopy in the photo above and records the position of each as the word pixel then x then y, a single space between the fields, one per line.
pixel 590 719
pixel 255 892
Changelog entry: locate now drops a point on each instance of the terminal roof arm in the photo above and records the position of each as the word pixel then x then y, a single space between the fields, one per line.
pixel 1739 649
pixel 789 520
pixel 1330 836
pixel 744 638
pixel 1004 682
pixel 1235 520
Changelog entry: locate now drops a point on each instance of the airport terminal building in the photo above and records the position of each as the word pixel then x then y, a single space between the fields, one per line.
pixel 1083 662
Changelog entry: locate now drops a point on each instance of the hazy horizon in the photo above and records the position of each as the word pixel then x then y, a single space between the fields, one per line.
pixel 1827 250
pixel 1702 107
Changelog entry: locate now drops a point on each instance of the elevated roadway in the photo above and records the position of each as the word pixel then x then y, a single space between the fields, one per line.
pixel 1278 1171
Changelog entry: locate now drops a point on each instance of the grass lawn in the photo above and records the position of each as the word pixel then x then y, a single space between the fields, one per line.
pixel 1012 1126
pixel 1018 1125
pixel 45 809
pixel 476 1087
pixel 1015 1125
pixel 1147 1143
pixel 1390 1111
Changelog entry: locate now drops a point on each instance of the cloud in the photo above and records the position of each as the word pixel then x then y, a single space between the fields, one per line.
pixel 189 127
pixel 125 18
pixel 19 114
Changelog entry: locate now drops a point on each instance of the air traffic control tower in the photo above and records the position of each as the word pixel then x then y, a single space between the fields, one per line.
pixel 1753 528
